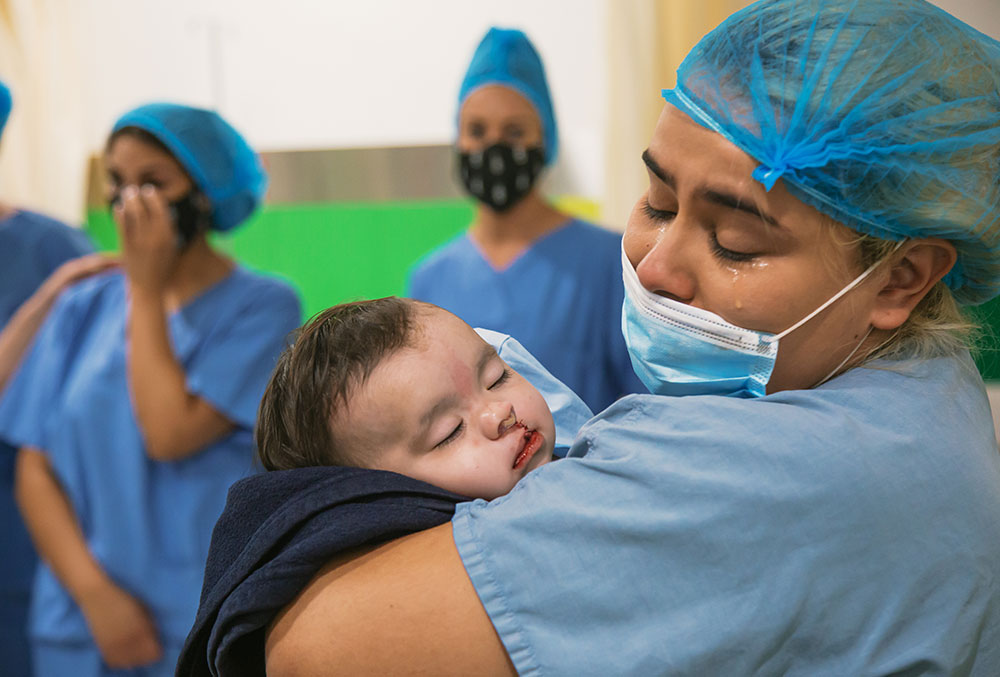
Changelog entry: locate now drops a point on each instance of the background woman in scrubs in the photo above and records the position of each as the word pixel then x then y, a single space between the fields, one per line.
pixel 813 486
pixel 33 247
pixel 133 412
pixel 525 268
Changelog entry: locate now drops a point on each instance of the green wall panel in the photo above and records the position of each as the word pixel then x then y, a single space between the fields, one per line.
pixel 332 252
pixel 988 353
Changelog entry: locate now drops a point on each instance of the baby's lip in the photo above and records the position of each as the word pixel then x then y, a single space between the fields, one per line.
pixel 528 445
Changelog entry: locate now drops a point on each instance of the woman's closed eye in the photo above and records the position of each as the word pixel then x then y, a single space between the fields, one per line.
pixel 729 255
pixel 655 214
pixel 476 130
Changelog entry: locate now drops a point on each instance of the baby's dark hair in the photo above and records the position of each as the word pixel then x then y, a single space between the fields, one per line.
pixel 331 356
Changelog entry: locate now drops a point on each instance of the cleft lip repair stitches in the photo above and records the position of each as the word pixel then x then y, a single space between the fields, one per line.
pixel 530 440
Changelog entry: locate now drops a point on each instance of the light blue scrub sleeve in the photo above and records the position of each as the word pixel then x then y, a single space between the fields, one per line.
pixel 568 410
pixel 808 533
pixel 231 371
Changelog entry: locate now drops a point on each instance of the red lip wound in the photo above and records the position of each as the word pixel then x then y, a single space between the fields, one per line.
pixel 532 443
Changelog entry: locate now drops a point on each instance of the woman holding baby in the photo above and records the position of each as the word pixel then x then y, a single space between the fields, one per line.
pixel 812 486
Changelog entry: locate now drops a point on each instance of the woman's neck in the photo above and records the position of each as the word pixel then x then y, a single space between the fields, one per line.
pixel 197 268
pixel 503 236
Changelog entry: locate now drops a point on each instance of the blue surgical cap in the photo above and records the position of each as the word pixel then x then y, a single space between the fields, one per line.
pixel 882 114
pixel 5 105
pixel 506 57
pixel 218 160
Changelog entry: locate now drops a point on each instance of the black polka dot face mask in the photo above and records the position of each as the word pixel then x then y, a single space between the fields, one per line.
pixel 500 175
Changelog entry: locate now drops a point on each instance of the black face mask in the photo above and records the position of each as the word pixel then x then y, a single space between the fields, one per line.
pixel 190 215
pixel 500 175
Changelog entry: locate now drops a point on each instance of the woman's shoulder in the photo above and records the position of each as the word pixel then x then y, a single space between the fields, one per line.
pixel 31 224
pixel 102 288
pixel 457 249
pixel 41 236
pixel 924 414
pixel 260 288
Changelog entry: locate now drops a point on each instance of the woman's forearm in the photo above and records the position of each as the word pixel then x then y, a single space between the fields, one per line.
pixel 18 334
pixel 175 424
pixel 405 607
pixel 53 526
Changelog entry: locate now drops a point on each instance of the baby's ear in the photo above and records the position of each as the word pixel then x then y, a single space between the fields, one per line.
pixel 916 268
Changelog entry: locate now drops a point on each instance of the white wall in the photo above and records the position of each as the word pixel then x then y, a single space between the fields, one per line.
pixel 296 74
pixel 324 74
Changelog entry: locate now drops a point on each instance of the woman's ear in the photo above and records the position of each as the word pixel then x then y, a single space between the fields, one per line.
pixel 917 267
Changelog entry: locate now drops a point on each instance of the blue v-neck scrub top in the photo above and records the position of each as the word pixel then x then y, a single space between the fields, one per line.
pixel 562 299
pixel 851 529
pixel 147 522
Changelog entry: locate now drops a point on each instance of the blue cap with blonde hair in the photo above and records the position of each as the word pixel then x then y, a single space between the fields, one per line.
pixel 506 57
pixel 882 114
pixel 216 157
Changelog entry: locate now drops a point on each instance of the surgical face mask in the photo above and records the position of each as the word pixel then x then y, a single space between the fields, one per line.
pixel 677 349
pixel 190 215
pixel 500 175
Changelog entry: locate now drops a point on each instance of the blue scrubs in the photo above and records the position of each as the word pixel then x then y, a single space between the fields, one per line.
pixel 147 522
pixel 31 247
pixel 852 529
pixel 562 299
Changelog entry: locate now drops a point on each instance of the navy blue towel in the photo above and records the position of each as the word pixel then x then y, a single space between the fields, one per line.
pixel 277 530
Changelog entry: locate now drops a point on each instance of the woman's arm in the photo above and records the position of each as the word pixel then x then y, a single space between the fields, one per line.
pixel 174 422
pixel 406 607
pixel 122 628
pixel 20 331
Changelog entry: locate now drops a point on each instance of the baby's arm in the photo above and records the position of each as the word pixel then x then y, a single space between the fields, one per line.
pixel 568 410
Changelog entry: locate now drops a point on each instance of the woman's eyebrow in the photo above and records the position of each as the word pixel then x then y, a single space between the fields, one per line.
pixel 659 171
pixel 712 195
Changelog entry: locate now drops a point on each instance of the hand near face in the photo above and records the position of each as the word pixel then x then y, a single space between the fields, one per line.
pixel 148 238
pixel 122 627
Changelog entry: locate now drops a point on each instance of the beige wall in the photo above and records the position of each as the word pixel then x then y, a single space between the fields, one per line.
pixel 647 40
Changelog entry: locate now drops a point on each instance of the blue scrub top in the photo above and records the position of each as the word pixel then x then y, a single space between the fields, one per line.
pixel 32 246
pixel 147 522
pixel 852 529
pixel 562 299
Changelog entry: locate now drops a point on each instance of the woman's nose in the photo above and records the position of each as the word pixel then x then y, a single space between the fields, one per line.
pixel 497 418
pixel 666 267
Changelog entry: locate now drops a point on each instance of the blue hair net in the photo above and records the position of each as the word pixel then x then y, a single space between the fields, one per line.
pixel 217 158
pixel 506 57
pixel 882 114
pixel 5 105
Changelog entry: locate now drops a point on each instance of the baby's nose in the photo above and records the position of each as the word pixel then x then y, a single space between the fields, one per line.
pixel 497 418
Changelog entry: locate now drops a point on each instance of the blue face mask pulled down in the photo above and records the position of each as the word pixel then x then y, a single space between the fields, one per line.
pixel 677 349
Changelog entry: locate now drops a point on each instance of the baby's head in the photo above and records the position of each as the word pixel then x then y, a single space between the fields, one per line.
pixel 400 385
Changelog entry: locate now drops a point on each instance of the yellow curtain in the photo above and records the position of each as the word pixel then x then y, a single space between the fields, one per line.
pixel 43 151
pixel 647 40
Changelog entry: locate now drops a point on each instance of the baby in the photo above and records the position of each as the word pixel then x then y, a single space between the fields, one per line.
pixel 401 385
pixel 390 384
